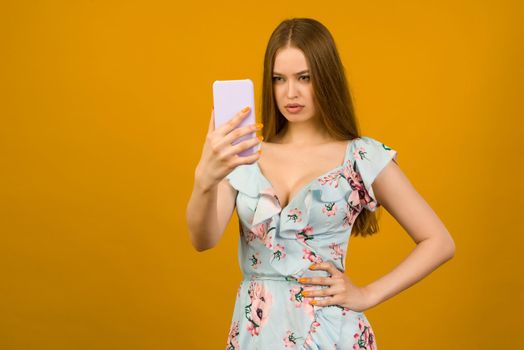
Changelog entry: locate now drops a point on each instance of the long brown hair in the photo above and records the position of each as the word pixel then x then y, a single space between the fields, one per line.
pixel 333 101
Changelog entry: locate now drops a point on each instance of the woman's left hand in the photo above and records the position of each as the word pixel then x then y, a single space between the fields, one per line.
pixel 341 290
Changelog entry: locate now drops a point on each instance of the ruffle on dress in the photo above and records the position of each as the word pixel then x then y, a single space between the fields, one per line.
pixel 365 159
pixel 262 200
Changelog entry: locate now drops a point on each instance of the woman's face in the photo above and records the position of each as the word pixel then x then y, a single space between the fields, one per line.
pixel 292 85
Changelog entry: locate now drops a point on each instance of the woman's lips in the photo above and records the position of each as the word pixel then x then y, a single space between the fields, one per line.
pixel 294 108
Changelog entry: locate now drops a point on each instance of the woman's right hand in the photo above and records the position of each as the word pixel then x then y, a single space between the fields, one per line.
pixel 219 156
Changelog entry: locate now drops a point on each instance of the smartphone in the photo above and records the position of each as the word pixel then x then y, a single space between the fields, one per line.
pixel 229 97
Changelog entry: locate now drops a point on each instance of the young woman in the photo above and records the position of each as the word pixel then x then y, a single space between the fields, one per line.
pixel 317 182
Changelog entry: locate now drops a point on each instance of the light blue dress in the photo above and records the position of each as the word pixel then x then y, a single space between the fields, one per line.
pixel 277 245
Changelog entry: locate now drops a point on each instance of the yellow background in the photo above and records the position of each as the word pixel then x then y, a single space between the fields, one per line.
pixel 104 107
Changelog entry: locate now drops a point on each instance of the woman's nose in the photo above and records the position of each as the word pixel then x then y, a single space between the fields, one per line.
pixel 291 89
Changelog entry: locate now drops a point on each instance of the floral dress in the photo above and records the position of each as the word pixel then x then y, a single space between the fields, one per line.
pixel 277 245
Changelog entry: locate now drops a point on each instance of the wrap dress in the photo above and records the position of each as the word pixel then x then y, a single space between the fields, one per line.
pixel 277 245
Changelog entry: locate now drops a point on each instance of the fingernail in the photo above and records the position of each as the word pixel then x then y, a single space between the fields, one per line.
pixel 260 137
pixel 312 302
pixel 312 267
pixel 302 280
pixel 259 151
pixel 259 125
pixel 245 109
pixel 305 293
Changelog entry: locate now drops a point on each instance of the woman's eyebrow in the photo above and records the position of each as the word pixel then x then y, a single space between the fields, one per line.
pixel 301 72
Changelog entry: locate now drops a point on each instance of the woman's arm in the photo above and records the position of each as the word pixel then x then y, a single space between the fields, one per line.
pixel 213 198
pixel 208 212
pixel 435 245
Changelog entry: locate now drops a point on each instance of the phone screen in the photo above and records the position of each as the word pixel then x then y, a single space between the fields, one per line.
pixel 231 96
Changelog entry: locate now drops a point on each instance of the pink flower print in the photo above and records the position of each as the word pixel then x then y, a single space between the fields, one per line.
pixel 309 340
pixel 312 329
pixel 262 233
pixel 330 209
pixel 360 153
pixel 354 200
pixel 332 178
pixel 305 234
pixel 351 215
pixel 255 260
pixel 232 339
pixel 295 215
pixel 314 326
pixel 359 194
pixel 356 183
pixel 279 252
pixel 296 295
pixel 290 340
pixel 337 252
pixel 251 234
pixel 370 203
pixel 345 311
pixel 268 238
pixel 365 338
pixel 365 198
pixel 258 311
pixel 253 328
pixel 348 170
pixel 260 230
pixel 311 256
pixel 301 301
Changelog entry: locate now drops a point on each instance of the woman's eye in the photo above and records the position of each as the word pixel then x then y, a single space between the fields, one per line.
pixel 306 77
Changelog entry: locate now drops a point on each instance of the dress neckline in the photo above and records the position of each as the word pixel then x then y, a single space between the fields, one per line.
pixel 306 186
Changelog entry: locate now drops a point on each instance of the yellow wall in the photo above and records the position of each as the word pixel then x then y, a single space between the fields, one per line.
pixel 104 107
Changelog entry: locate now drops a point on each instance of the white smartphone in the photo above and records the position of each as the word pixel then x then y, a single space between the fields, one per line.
pixel 231 96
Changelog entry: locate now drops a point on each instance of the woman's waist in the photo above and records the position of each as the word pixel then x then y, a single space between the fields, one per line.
pixel 270 277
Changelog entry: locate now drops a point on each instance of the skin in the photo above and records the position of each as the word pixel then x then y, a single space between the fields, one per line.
pixel 212 201
pixel 304 129
pixel 392 189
